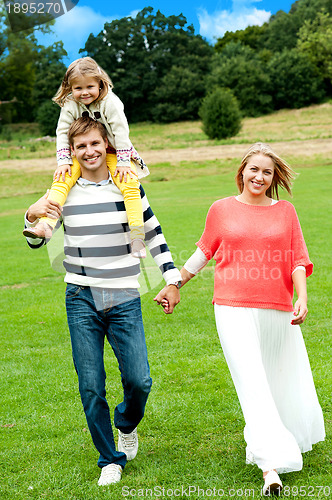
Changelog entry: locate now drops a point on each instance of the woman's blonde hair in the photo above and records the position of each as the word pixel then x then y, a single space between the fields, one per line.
pixel 283 173
pixel 85 66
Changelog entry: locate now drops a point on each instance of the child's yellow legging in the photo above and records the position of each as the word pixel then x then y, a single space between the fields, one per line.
pixel 130 190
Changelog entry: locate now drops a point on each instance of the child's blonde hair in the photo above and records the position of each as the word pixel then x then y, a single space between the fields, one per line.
pixel 283 173
pixel 85 66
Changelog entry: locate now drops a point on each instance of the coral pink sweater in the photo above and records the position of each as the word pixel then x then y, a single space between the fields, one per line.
pixel 256 249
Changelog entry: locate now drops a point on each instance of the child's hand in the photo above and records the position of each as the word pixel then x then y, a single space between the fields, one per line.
pixel 123 172
pixel 61 171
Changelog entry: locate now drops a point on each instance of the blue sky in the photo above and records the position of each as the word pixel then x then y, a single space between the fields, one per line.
pixel 211 18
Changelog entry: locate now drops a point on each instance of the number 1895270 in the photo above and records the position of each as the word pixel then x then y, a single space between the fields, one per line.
pixel 307 491
pixel 34 8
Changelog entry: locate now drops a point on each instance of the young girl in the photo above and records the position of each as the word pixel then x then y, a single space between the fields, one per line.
pixel 86 90
pixel 261 256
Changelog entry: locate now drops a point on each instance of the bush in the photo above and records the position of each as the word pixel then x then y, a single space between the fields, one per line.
pixel 7 134
pixel 220 114
pixel 47 117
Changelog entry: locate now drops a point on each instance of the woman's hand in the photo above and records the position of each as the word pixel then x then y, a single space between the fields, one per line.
pixel 61 171
pixel 300 311
pixel 300 307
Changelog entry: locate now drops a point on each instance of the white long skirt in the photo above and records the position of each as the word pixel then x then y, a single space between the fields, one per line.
pixel 269 365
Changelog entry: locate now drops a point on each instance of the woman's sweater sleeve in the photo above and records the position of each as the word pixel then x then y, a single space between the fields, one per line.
pixel 300 256
pixel 210 240
pixel 196 262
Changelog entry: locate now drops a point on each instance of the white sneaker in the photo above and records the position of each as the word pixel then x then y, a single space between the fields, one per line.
pixel 110 474
pixel 128 444
pixel 272 484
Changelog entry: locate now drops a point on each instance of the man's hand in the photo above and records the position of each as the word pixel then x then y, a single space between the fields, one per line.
pixel 44 208
pixel 168 297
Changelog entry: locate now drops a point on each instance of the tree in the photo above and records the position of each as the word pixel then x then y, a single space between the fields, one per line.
pixel 49 71
pixel 240 69
pixel 28 72
pixel 251 36
pixel 296 82
pixel 17 71
pixel 315 40
pixel 281 32
pixel 282 28
pixel 139 53
pixel 266 77
pixel 178 96
pixel 306 10
pixel 47 117
pixel 220 114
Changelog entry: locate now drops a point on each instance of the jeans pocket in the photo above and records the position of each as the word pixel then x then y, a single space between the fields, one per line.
pixel 72 290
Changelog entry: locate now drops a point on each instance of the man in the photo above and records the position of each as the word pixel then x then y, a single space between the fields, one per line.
pixel 102 299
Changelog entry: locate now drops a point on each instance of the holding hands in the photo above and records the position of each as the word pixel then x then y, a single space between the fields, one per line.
pixel 168 298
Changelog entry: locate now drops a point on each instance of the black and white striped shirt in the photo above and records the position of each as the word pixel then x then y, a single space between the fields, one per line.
pixel 97 239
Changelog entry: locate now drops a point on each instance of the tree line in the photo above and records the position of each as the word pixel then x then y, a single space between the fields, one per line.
pixel 162 70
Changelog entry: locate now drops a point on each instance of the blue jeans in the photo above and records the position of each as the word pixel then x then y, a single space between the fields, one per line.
pixel 94 314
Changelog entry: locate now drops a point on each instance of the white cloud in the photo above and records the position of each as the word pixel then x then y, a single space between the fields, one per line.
pixel 73 29
pixel 241 15
pixel 134 13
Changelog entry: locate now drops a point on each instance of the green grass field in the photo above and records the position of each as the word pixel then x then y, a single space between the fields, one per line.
pixel 192 434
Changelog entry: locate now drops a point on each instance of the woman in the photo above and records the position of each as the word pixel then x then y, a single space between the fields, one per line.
pixel 261 256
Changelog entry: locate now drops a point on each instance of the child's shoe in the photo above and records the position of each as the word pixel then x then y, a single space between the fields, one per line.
pixel 138 248
pixel 41 230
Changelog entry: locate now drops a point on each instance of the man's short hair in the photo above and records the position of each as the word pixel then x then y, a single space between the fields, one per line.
pixel 84 125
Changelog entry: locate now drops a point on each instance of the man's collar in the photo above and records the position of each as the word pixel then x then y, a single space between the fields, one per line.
pixel 85 182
